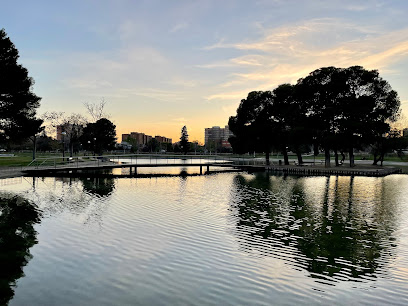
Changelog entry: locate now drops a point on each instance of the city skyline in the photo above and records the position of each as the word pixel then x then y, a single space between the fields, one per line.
pixel 162 65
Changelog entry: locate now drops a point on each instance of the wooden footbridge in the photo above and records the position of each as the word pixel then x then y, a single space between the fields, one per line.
pixel 90 164
pixel 51 166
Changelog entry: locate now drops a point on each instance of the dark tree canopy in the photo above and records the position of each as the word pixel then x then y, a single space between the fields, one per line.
pixel 184 140
pixel 18 103
pixel 337 109
pixel 253 126
pixel 99 136
pixel 347 106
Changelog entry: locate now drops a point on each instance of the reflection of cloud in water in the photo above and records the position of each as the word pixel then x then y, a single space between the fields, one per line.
pixel 329 226
pixel 17 235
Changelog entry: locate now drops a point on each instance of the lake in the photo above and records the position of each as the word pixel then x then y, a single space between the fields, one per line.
pixel 218 239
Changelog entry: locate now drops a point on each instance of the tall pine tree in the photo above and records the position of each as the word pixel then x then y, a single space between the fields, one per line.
pixel 18 104
pixel 184 140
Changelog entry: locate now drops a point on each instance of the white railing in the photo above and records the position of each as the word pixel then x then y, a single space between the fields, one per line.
pixel 140 159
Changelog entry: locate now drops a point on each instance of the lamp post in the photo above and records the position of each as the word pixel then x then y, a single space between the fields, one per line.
pixel 314 156
pixel 63 145
pixel 94 145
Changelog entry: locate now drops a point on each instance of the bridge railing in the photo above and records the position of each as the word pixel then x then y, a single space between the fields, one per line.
pixel 161 159
pixel 135 159
pixel 65 162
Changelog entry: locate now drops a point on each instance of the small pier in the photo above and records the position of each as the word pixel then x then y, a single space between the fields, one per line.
pixel 358 170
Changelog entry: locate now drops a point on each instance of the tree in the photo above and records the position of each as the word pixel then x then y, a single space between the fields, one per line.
pixel 99 136
pixel 134 143
pixel 347 107
pixel 152 146
pixel 318 94
pixel 46 143
pixel 96 110
pixel 263 122
pixel 72 125
pixel 18 104
pixel 250 126
pixel 392 141
pixel 184 140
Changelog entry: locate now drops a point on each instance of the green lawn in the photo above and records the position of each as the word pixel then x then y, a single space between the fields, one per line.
pixel 23 159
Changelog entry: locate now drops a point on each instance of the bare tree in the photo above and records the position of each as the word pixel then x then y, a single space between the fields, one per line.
pixel 72 126
pixel 96 110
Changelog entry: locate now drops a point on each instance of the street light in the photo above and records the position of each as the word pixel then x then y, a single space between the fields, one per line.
pixel 94 145
pixel 63 145
pixel 314 155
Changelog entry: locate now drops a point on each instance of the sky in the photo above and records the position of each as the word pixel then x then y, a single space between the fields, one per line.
pixel 164 64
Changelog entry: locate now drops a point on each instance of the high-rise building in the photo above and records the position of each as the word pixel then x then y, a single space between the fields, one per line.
pixel 217 134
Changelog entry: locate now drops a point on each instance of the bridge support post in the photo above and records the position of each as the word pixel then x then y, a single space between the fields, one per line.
pixel 201 169
pixel 208 169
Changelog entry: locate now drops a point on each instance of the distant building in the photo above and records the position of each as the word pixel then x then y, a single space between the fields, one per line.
pixel 142 139
pixel 162 139
pixel 63 128
pixel 217 134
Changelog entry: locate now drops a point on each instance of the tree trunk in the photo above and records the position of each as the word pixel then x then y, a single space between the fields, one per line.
pixel 375 160
pixel 299 157
pixel 327 157
pixel 343 157
pixel 382 158
pixel 336 158
pixel 267 158
pixel 71 149
pixel 315 149
pixel 285 156
pixel 351 155
pixel 34 146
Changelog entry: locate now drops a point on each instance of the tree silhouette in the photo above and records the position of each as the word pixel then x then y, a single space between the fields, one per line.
pixel 338 109
pixel 347 106
pixel 252 127
pixel 99 136
pixel 18 103
pixel 17 235
pixel 184 140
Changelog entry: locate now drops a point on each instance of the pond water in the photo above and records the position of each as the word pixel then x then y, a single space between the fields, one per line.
pixel 220 239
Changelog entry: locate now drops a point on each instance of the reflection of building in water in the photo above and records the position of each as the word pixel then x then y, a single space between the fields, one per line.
pixel 332 235
pixel 17 235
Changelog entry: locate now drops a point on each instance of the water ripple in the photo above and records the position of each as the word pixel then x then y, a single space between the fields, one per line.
pixel 222 239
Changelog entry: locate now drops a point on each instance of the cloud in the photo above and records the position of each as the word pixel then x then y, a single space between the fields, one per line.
pixel 285 54
pixel 178 27
pixel 229 96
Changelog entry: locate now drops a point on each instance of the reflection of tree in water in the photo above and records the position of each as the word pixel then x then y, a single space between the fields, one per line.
pixel 99 186
pixel 334 239
pixel 17 236
pixel 88 198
